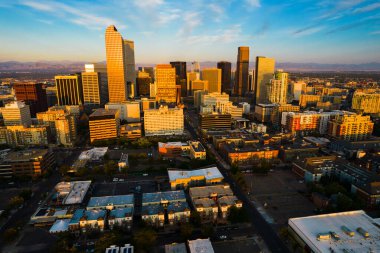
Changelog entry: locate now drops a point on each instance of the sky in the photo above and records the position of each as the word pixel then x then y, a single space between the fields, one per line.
pixel 318 31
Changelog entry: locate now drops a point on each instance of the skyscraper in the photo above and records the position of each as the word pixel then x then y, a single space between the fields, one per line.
pixel 214 78
pixel 69 89
pixel 129 57
pixel 143 82
pixel 278 88
pixel 180 71
pixel 33 94
pixel 165 85
pixel 263 74
pixel 16 113
pixel 225 66
pixel 191 76
pixel 94 84
pixel 241 74
pixel 195 67
pixel 116 65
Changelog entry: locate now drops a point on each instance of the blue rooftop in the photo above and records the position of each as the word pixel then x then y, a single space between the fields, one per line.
pixel 121 212
pixel 178 206
pixel 151 209
pixel 157 197
pixel 95 214
pixel 118 200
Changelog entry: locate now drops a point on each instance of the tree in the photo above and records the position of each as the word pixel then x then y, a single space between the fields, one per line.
pixel 107 239
pixel 144 239
pixel 26 194
pixel 10 235
pixel 195 218
pixel 207 230
pixel 186 230
pixel 15 202
pixel 237 215
pixel 344 203
pixel 110 168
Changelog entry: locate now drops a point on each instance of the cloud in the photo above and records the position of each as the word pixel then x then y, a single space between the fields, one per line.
pixel 375 32
pixel 337 9
pixel 73 14
pixel 170 15
pixel 253 3
pixel 346 27
pixel 309 30
pixel 229 35
pixel 217 10
pixel 150 4
pixel 48 22
pixel 367 8
pixel 191 20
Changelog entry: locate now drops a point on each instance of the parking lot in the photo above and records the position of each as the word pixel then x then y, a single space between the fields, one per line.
pixel 279 196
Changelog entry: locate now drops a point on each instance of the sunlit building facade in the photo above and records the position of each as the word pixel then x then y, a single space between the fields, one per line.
pixel 263 74
pixel 351 127
pixel 165 85
pixel 214 78
pixel 69 89
pixel 242 71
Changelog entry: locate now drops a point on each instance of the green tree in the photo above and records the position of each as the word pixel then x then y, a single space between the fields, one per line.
pixel 186 230
pixel 110 168
pixel 195 218
pixel 207 230
pixel 107 239
pixel 344 203
pixel 237 215
pixel 144 239
pixel 10 235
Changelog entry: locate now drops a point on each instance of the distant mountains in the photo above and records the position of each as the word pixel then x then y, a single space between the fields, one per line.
pixel 73 66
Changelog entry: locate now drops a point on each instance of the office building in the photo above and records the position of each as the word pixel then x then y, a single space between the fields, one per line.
pixel 198 94
pixel 51 96
pixel 351 127
pixel 129 57
pixel 195 67
pixel 24 136
pixel 298 88
pixel 191 76
pixel 214 78
pixel 173 149
pixel 181 76
pixel 263 112
pixel 263 74
pixel 241 74
pixel 212 99
pixel 165 85
pixel 352 231
pixel 366 102
pixel 197 151
pixel 95 85
pixel 143 82
pixel 278 88
pixel 32 94
pixel 181 179
pixel 69 89
pixel 277 110
pixel 104 124
pixel 208 121
pixel 199 85
pixel 116 65
pixel 147 104
pixel 164 121
pixel 30 162
pixel 128 111
pixel 225 66
pixel 16 113
pixel 131 131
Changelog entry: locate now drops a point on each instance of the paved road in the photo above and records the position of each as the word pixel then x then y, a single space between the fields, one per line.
pixel 23 215
pixel 263 228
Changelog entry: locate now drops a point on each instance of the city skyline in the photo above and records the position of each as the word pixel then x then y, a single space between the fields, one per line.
pixel 298 31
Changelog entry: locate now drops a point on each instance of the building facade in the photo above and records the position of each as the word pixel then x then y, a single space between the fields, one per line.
pixel 104 124
pixel 242 72
pixel 263 74
pixel 33 94
pixel 16 113
pixel 351 127
pixel 225 66
pixel 164 121
pixel 214 78
pixel 69 89
pixel 165 85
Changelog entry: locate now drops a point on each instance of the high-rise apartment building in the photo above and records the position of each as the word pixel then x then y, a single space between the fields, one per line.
pixel 180 70
pixel 149 70
pixel 95 85
pixel 241 74
pixel 214 78
pixel 225 66
pixel 366 102
pixel 66 132
pixel 263 74
pixel 24 136
pixel 164 121
pixel 165 85
pixel 16 113
pixel 351 127
pixel 129 56
pixel 143 82
pixel 278 88
pixel 298 88
pixel 69 89
pixel 33 94
pixel 116 65
pixel 104 124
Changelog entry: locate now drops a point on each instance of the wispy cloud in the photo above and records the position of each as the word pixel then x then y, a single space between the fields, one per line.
pixel 309 30
pixel 150 4
pixel 48 22
pixel 367 8
pixel 74 15
pixel 375 32
pixel 346 27
pixel 167 16
pixel 217 10
pixel 337 9
pixel 191 20
pixel 253 3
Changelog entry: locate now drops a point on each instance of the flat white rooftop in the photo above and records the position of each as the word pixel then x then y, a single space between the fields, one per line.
pixel 93 154
pixel 77 192
pixel 200 246
pixel 208 173
pixel 308 228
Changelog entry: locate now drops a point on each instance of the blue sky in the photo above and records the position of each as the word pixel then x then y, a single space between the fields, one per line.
pixel 336 31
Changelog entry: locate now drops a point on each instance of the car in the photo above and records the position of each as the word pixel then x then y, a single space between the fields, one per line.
pixel 121 180
pixel 145 174
pixel 115 180
pixel 40 202
pixel 222 237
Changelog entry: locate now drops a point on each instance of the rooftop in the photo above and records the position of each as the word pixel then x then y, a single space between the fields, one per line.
pixel 60 226
pixel 207 191
pixel 117 200
pixel 93 154
pixel 356 223
pixel 121 212
pixel 158 197
pixel 73 192
pixel 175 248
pixel 197 146
pixel 103 113
pixel 208 173
pixel 171 144
pixel 25 155
pixel 200 246
pixel 178 207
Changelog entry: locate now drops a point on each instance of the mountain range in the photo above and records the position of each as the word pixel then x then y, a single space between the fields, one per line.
pixel 77 66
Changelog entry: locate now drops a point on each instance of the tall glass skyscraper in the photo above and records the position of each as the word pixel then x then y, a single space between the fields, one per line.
pixel 263 74
pixel 241 74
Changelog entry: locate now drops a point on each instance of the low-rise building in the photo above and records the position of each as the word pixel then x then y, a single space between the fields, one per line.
pixel 263 112
pixel 352 231
pixel 131 131
pixel 157 205
pixel 200 246
pixel 214 201
pixel 164 121
pixel 111 202
pixel 197 151
pixel 121 217
pixel 173 149
pixel 71 193
pixel 24 136
pixel 208 121
pixel 88 220
pixel 184 179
